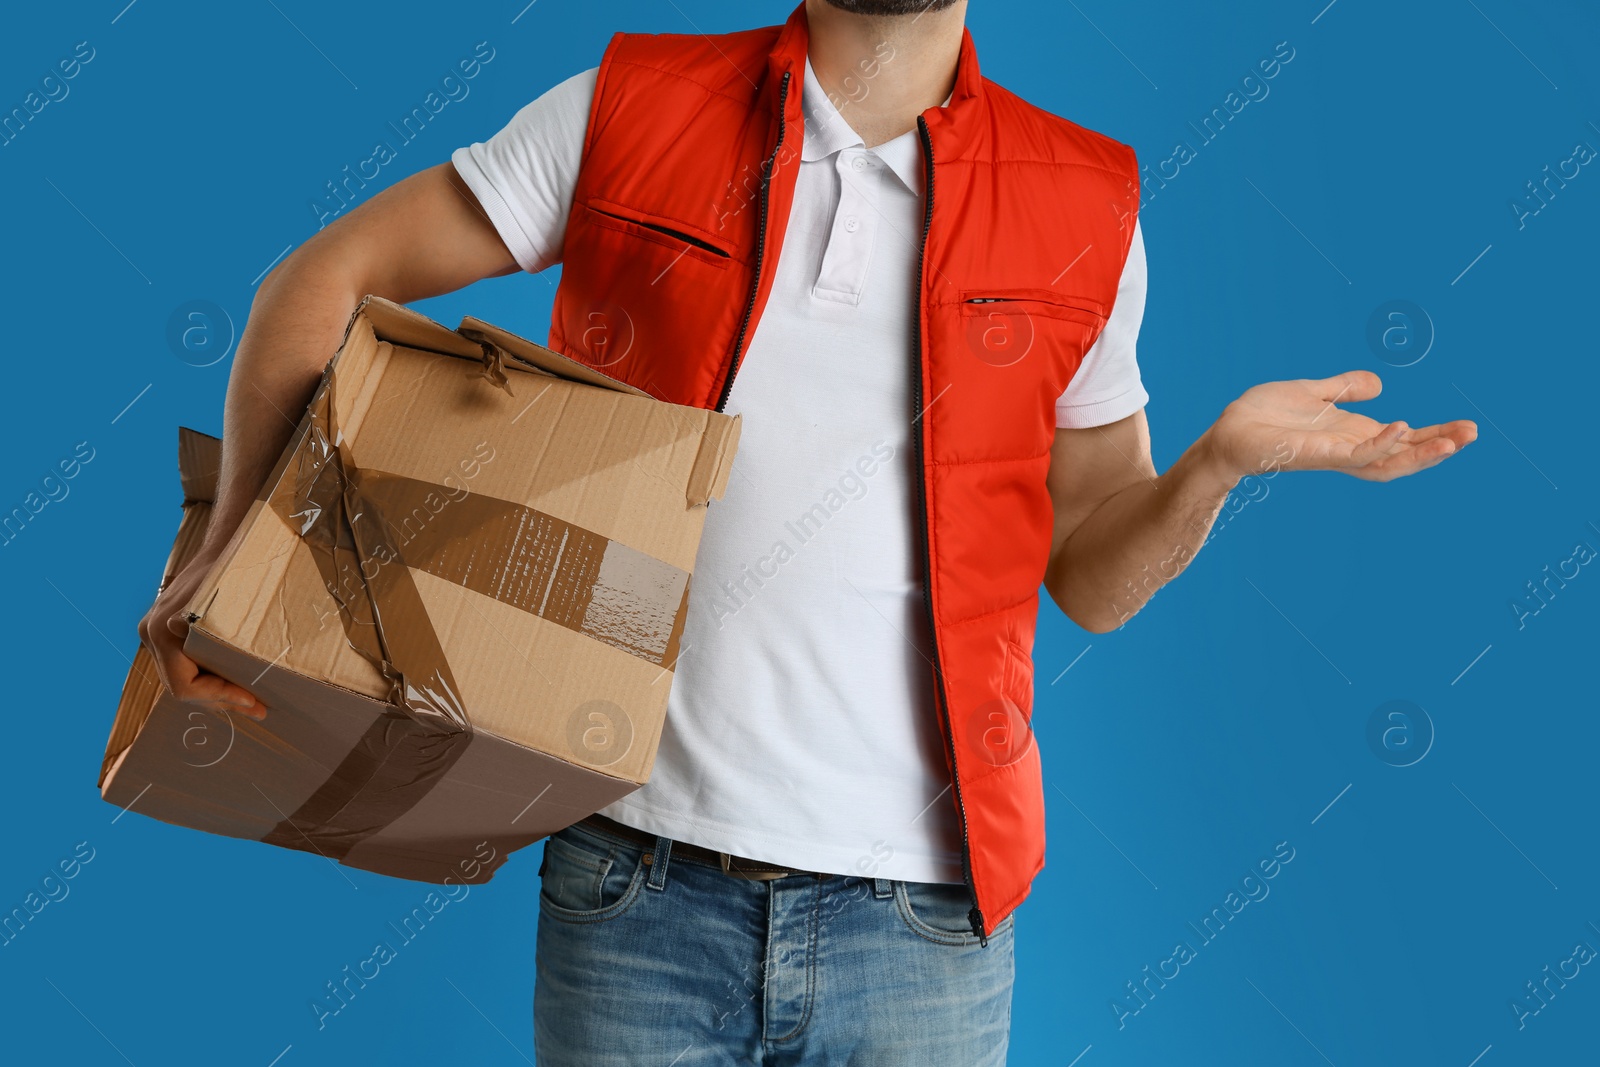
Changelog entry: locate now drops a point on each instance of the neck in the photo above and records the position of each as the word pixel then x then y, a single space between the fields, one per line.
pixel 882 71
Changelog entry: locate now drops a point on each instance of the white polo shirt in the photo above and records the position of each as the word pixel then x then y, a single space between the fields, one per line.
pixel 801 727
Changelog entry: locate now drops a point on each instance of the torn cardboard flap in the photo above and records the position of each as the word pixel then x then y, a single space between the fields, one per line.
pixel 401 325
pixel 444 583
pixel 709 479
pixel 541 357
pixel 199 462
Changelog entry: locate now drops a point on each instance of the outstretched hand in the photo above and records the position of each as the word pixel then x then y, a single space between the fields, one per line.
pixel 1301 419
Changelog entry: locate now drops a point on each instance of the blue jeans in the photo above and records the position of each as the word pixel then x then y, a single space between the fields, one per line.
pixel 672 963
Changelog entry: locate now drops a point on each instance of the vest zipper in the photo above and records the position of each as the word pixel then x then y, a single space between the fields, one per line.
pixel 761 244
pixel 975 916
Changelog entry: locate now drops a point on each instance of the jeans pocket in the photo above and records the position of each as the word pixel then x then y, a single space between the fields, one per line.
pixel 583 880
pixel 938 911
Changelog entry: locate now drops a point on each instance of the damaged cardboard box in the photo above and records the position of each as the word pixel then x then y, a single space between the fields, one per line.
pixel 460 596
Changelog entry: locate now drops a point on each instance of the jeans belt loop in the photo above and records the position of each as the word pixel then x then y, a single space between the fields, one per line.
pixel 658 863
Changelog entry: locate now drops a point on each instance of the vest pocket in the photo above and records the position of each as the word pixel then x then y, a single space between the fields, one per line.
pixel 662 232
pixel 1003 326
pixel 1019 677
pixel 1045 302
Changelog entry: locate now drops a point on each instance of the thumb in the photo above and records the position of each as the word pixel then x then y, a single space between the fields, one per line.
pixel 178 624
pixel 1349 387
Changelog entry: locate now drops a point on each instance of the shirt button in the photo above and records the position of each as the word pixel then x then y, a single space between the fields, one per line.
pixel 852 224
pixel 859 163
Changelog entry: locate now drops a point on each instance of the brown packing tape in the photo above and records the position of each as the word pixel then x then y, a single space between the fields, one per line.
pixel 364 571
pixel 404 768
pixel 533 561
pixel 515 554
pixel 367 531
pixel 406 752
pixel 391 768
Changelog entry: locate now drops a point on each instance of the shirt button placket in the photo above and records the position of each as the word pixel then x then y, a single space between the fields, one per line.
pixel 844 264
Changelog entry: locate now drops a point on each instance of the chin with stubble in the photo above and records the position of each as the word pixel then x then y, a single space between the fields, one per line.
pixel 890 7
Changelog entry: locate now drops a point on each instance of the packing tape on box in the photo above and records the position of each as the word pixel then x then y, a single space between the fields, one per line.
pixel 368 531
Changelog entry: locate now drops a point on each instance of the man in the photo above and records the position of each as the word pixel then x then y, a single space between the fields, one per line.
pixel 923 294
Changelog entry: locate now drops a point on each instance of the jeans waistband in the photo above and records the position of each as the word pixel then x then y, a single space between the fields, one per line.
pixel 736 866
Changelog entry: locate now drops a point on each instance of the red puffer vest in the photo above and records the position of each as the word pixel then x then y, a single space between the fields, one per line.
pixel 688 175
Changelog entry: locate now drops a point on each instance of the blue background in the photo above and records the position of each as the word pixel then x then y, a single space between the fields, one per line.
pixel 1179 751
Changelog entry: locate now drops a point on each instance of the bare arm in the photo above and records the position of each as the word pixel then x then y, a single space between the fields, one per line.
pixel 424 236
pixel 1122 532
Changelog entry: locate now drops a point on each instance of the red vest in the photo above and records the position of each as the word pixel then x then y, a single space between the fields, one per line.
pixel 688 175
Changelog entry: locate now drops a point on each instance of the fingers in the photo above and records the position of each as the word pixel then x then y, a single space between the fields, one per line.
pixel 1408 459
pixel 219 694
pixel 1461 433
pixel 1425 447
pixel 158 651
pixel 1386 442
pixel 1349 387
pixel 189 683
pixel 165 645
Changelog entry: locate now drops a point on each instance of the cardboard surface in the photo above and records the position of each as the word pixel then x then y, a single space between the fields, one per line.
pixel 459 597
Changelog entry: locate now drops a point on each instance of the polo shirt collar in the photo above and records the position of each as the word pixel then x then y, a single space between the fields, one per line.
pixel 827 132
pixel 953 127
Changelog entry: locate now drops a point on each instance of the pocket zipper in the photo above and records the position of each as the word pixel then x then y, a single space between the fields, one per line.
pixel 1038 297
pixel 705 246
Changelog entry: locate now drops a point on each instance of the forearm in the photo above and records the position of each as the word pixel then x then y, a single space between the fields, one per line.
pixel 1121 532
pixel 1138 540
pixel 296 322
pixel 423 236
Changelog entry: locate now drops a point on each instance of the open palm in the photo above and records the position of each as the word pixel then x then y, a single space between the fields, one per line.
pixel 1301 418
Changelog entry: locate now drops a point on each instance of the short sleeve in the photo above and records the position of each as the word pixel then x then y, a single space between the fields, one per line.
pixel 1107 386
pixel 525 175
